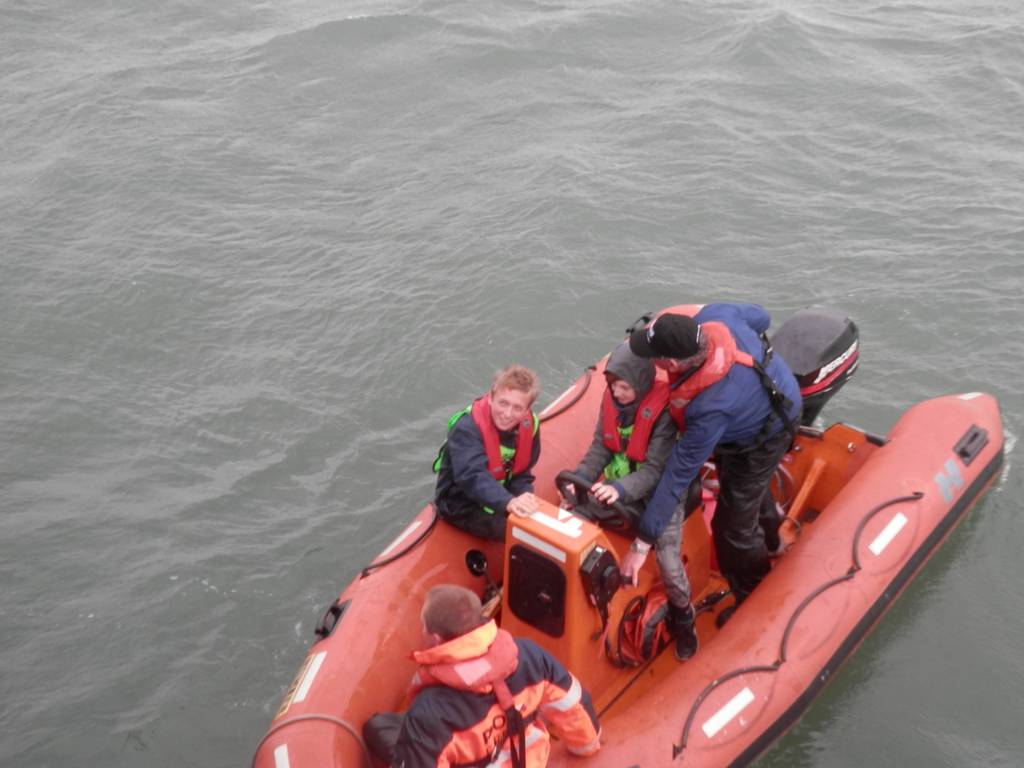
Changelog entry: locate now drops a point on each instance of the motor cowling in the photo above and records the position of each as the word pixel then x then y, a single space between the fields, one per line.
pixel 822 347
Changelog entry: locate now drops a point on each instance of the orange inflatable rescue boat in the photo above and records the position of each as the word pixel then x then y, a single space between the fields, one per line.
pixel 863 513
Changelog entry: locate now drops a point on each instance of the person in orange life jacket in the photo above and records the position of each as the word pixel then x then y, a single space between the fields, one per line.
pixel 632 441
pixel 470 676
pixel 484 467
pixel 722 406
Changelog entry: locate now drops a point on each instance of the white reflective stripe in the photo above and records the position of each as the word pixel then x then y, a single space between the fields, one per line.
pixel 888 534
pixel 307 679
pixel 722 717
pixel 570 526
pixel 571 698
pixel 558 400
pixel 827 369
pixel 970 395
pixel 281 757
pixel 401 537
pixel 533 734
pixel 587 749
pixel 539 544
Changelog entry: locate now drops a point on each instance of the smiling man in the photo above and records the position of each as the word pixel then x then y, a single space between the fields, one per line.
pixel 484 467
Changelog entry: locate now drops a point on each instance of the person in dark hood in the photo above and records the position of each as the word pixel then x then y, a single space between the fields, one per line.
pixel 632 442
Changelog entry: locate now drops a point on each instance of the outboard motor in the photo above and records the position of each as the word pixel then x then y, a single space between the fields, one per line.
pixel 821 347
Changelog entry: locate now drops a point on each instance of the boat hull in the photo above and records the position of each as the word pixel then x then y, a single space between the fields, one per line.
pixel 765 666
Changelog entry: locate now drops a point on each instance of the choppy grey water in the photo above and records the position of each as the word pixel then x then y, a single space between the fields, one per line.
pixel 253 254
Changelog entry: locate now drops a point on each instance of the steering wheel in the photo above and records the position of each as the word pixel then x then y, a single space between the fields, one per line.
pixel 576 490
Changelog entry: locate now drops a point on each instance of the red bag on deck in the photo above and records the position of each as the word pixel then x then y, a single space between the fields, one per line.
pixel 643 629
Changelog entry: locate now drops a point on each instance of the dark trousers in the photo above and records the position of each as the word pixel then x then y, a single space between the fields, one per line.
pixel 473 519
pixel 380 733
pixel 745 499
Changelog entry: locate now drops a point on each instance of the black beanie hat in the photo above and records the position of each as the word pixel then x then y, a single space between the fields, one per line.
pixel 672 336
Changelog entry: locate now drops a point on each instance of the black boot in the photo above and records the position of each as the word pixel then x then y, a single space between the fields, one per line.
pixel 770 519
pixel 680 626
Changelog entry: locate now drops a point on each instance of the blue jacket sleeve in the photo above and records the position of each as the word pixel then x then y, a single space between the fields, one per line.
pixel 703 431
pixel 469 466
pixel 755 316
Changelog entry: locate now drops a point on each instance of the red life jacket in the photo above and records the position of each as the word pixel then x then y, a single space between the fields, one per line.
pixel 722 354
pixel 481 413
pixel 647 413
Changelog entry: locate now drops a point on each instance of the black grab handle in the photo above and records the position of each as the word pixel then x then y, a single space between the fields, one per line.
pixel 970 444
pixel 331 618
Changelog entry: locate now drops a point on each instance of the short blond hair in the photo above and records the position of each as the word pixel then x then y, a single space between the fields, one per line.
pixel 518 378
pixel 450 611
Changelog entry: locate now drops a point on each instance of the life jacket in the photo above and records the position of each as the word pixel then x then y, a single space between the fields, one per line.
pixel 470 662
pixel 503 462
pixel 498 460
pixel 722 355
pixel 637 436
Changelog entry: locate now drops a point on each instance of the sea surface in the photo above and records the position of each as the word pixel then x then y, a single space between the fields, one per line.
pixel 253 254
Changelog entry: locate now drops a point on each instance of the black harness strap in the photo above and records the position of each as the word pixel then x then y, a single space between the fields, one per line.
pixel 780 405
pixel 779 402
pixel 516 724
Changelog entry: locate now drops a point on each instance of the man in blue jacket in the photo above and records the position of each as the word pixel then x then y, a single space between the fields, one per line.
pixel 733 400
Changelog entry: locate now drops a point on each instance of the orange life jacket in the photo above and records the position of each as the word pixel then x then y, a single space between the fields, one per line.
pixel 647 413
pixel 722 355
pixel 481 413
